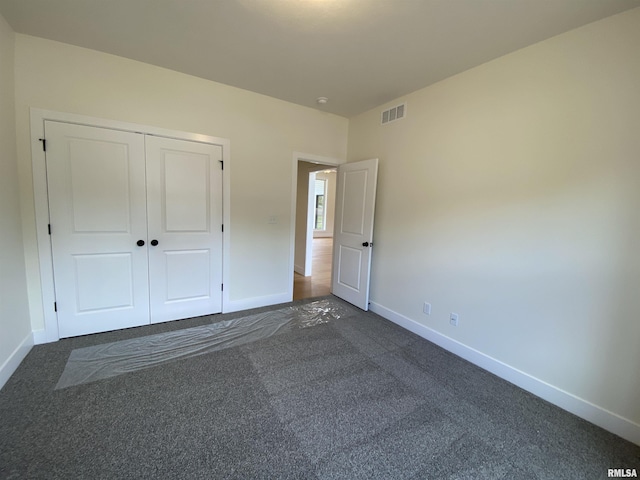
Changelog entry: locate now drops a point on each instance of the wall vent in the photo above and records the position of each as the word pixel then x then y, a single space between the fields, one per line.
pixel 396 113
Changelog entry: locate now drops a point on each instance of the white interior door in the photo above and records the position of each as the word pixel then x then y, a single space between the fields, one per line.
pixel 353 236
pixel 184 198
pixel 96 182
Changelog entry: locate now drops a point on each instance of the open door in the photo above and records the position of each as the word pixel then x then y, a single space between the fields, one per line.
pixel 353 236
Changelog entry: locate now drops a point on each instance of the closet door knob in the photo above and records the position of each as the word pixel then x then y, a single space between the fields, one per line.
pixel 140 243
pixel 154 242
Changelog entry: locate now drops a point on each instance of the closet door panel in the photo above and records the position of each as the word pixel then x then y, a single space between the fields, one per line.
pixel 97 203
pixel 184 202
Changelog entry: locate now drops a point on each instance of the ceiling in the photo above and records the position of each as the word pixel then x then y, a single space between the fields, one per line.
pixel 358 53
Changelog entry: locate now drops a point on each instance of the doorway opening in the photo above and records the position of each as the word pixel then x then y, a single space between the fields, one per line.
pixel 315 209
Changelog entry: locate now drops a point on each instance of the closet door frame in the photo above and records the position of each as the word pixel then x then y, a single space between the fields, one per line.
pixel 41 203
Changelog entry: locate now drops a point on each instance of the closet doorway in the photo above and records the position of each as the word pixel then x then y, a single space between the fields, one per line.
pixel 135 227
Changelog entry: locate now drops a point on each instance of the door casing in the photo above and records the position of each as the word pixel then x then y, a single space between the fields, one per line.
pixel 310 158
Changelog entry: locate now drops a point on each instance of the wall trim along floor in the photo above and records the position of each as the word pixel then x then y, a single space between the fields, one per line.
pixel 610 421
pixel 12 363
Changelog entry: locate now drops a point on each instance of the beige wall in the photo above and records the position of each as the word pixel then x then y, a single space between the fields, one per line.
pixel 302 197
pixel 264 133
pixel 14 315
pixel 510 194
pixel 330 203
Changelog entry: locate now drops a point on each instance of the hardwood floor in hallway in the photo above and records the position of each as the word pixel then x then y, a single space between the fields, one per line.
pixel 319 283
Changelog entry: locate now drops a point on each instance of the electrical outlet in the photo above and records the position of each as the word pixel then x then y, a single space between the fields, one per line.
pixel 453 319
pixel 426 308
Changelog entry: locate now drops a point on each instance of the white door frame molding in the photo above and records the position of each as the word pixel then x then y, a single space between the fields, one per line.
pixel 41 200
pixel 303 157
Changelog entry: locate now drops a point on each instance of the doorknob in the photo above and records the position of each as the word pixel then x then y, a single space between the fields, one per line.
pixel 365 244
pixel 154 242
pixel 140 243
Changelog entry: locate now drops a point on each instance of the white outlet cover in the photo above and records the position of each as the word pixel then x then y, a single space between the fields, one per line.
pixel 453 319
pixel 426 308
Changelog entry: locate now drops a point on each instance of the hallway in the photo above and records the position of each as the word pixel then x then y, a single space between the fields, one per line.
pixel 319 283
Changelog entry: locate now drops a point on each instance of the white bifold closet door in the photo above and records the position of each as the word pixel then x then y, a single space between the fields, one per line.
pixel 135 227
pixel 184 204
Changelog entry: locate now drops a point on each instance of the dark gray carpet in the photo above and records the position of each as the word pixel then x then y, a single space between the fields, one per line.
pixel 353 398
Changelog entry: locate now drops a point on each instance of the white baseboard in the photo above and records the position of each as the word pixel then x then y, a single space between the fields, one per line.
pixel 11 364
pixel 610 421
pixel 256 302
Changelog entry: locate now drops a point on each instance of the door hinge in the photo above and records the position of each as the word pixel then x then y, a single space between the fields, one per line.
pixel 222 287
pixel 223 227
pixel 44 144
pixel 55 306
pixel 49 228
pixel 221 164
